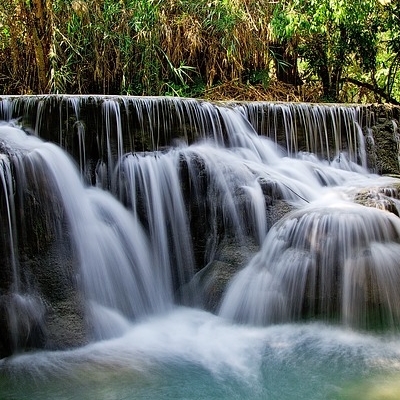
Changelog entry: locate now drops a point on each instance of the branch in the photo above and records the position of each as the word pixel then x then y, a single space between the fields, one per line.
pixel 373 88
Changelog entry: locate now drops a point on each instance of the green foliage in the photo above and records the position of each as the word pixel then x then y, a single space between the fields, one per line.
pixel 392 62
pixel 329 35
pixel 257 77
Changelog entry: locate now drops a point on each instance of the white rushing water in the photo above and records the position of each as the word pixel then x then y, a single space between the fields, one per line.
pixel 337 259
pixel 115 261
pixel 328 260
pixel 191 354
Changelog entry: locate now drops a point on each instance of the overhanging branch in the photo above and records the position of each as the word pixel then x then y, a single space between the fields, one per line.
pixel 373 88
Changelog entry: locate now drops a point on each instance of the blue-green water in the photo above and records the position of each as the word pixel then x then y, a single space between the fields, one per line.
pixel 191 354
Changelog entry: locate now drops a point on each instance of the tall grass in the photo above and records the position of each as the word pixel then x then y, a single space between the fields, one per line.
pixel 132 46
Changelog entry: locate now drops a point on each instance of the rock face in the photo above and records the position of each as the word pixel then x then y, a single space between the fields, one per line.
pixel 382 198
pixel 383 138
pixel 386 147
pixel 231 254
pixel 45 308
pixel 211 282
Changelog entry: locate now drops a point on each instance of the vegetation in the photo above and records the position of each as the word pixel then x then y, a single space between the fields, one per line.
pixel 333 50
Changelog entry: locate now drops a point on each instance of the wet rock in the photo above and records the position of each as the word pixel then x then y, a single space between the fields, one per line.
pixel 65 324
pixel 230 254
pixel 211 282
pixel 382 140
pixel 56 279
pixel 386 148
pixel 45 309
pixel 277 210
pixel 22 327
pixel 382 198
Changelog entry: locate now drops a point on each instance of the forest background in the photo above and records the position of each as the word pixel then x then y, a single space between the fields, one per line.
pixel 294 50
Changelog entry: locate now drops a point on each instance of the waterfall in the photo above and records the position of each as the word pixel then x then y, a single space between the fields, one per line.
pixel 9 213
pixel 151 187
pixel 112 251
pixel 135 124
pixel 145 203
pixel 334 262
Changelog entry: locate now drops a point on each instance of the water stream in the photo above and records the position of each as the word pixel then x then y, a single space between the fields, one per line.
pixel 313 314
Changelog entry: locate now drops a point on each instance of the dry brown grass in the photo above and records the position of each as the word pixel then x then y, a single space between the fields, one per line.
pixel 276 91
pixel 143 47
pixel 222 40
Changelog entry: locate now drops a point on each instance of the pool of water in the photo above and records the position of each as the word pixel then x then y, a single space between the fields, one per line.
pixel 191 354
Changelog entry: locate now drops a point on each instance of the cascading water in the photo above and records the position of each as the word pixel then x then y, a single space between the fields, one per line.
pixel 113 252
pixel 336 261
pixel 275 232
pixel 152 190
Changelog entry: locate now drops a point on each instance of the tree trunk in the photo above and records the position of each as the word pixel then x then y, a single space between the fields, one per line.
pixel 329 84
pixel 286 65
pixel 39 27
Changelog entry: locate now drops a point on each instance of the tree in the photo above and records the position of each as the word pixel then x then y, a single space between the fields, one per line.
pixel 26 32
pixel 38 17
pixel 392 23
pixel 329 35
